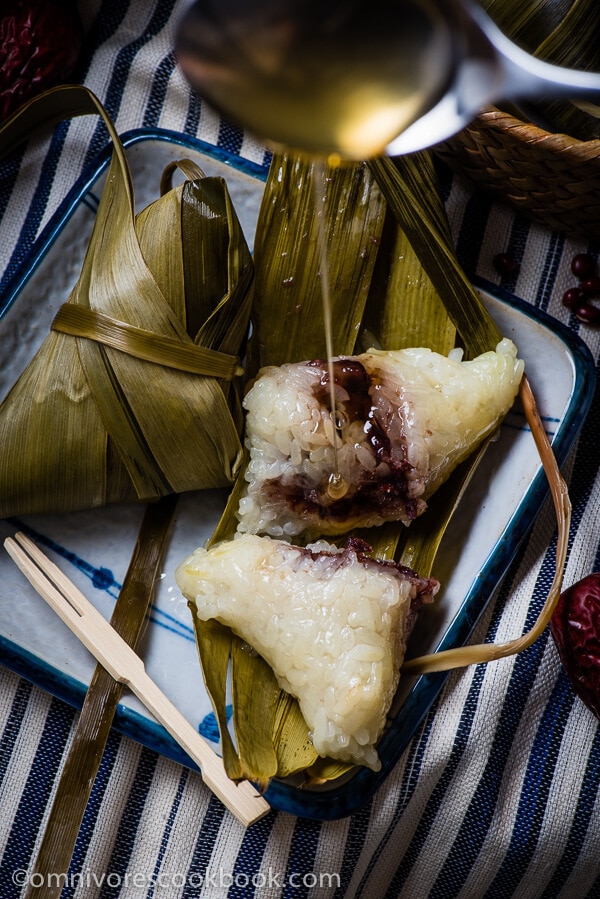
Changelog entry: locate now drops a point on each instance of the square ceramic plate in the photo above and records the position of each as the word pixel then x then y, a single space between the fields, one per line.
pixel 94 547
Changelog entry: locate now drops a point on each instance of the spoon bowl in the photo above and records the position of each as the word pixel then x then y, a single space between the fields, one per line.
pixel 355 79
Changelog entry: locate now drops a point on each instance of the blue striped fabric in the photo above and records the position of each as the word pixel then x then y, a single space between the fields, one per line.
pixel 497 794
pixel 199 865
pixel 128 826
pixel 26 823
pixel 12 725
pixel 93 809
pixel 168 830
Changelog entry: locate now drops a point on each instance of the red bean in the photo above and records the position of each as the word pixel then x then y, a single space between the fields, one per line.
pixel 591 286
pixel 588 314
pixel 41 44
pixel 583 265
pixel 573 297
pixel 505 264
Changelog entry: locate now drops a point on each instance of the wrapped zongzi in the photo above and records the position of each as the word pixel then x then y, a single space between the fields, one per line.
pixel 133 394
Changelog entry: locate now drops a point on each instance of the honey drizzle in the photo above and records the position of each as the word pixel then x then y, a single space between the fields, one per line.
pixel 336 485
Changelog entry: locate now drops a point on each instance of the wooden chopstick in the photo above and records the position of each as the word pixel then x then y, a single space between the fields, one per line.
pixel 95 632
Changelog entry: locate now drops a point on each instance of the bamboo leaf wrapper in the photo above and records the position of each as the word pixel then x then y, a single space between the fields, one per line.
pixel 134 393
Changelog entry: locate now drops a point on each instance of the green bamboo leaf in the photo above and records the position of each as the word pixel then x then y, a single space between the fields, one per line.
pixel 226 527
pixel 254 697
pixel 410 188
pixel 213 640
pixel 418 545
pixel 564 32
pixel 295 751
pixel 573 43
pixel 207 272
pixel 529 23
pixel 288 306
pixel 412 192
pixel 143 344
pixel 403 308
pixel 167 268
pixel 324 770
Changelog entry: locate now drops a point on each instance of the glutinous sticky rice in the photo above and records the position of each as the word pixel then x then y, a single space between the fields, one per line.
pixel 332 624
pixel 404 421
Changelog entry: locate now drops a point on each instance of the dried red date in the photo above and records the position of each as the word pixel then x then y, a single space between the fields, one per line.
pixel 575 627
pixel 41 42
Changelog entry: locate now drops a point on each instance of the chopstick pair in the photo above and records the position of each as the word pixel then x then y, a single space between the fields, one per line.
pixel 126 667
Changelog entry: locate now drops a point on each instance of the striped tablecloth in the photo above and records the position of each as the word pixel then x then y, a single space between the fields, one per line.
pixel 496 795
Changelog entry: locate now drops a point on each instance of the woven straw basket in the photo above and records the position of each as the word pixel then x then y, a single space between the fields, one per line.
pixel 553 179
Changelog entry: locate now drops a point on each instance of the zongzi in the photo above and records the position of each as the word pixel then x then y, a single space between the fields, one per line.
pixel 332 624
pixel 133 395
pixel 403 421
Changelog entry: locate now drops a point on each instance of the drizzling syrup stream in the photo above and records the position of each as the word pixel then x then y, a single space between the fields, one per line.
pixel 336 485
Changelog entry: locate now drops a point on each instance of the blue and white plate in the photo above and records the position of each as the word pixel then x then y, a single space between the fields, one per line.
pixel 94 547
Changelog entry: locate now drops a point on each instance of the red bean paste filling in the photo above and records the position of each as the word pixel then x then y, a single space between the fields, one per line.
pixel 375 492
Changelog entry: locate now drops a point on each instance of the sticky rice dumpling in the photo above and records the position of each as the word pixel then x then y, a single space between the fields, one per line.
pixel 404 420
pixel 133 394
pixel 332 624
